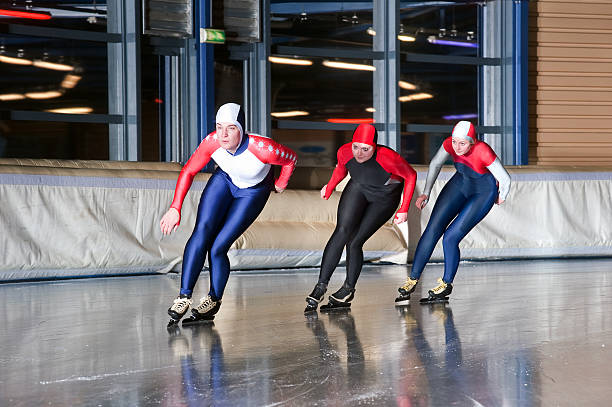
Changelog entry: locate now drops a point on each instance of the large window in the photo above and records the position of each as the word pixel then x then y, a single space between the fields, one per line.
pixel 54 81
pixel 327 62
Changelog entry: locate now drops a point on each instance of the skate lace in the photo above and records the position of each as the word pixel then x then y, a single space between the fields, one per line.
pixel 409 284
pixel 206 305
pixel 441 286
pixel 180 304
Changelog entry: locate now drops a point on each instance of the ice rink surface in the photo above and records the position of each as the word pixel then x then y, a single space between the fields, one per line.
pixel 518 333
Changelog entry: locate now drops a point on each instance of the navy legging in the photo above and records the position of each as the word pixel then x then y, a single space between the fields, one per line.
pixel 465 199
pixel 224 213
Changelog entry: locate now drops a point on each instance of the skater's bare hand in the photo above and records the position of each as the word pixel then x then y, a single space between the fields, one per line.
pixel 169 222
pixel 323 191
pixel 421 201
pixel 400 217
pixel 499 201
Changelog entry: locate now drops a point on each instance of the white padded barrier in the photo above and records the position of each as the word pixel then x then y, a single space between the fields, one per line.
pixel 70 220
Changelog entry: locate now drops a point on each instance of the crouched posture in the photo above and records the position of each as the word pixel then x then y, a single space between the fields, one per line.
pixel 378 176
pixel 463 202
pixel 231 201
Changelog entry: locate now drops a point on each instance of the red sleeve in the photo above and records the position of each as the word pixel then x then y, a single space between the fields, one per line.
pixel 196 162
pixel 344 155
pixel 271 152
pixel 393 163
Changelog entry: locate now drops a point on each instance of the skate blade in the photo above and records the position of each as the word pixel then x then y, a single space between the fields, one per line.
pixel 332 307
pixel 310 310
pixel 433 300
pixel 199 321
pixel 399 301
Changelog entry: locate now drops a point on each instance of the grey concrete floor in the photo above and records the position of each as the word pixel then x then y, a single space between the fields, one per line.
pixel 523 333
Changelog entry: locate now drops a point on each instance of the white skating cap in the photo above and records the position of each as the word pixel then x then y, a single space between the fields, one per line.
pixel 231 113
pixel 465 130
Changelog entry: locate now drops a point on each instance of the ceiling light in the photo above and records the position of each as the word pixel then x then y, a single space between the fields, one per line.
pixel 352 121
pixel 16 61
pixel 70 81
pixel 406 85
pixel 71 110
pixel 370 109
pixel 290 61
pixel 11 96
pixel 460 116
pixel 415 96
pixel 433 40
pixel 371 31
pixel 346 65
pixel 291 113
pixel 44 95
pixel 51 65
pixel 406 38
pixel 24 14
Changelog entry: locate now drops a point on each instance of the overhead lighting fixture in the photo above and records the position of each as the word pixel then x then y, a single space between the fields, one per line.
pixel 15 61
pixel 71 110
pixel 433 40
pixel 70 81
pixel 415 96
pixel 460 116
pixel 370 109
pixel 406 38
pixel 52 65
pixel 290 61
pixel 351 121
pixel 11 96
pixel 346 65
pixel 25 14
pixel 406 85
pixel 291 113
pixel 44 95
pixel 371 31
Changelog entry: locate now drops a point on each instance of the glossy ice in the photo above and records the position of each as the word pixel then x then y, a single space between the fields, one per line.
pixel 525 333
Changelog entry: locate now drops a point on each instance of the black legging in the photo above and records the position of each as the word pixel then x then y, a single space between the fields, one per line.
pixel 362 210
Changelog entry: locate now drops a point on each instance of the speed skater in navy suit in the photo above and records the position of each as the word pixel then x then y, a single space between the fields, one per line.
pixel 479 182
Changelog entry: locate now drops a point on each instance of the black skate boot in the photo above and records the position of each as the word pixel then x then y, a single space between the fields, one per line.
pixel 341 299
pixel 315 297
pixel 178 309
pixel 204 312
pixel 439 293
pixel 405 291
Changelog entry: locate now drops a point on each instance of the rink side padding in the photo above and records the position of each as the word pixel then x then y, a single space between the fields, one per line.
pixel 84 218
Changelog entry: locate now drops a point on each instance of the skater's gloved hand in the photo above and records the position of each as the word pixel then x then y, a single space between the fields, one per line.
pixel 400 217
pixel 421 201
pixel 169 222
pixel 323 191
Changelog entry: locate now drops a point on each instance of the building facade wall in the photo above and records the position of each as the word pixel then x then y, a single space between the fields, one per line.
pixel 570 82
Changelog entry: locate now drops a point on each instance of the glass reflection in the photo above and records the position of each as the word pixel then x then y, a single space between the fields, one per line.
pixel 57 140
pixel 67 14
pixel 445 29
pixel 451 89
pixel 46 74
pixel 324 91
pixel 322 24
